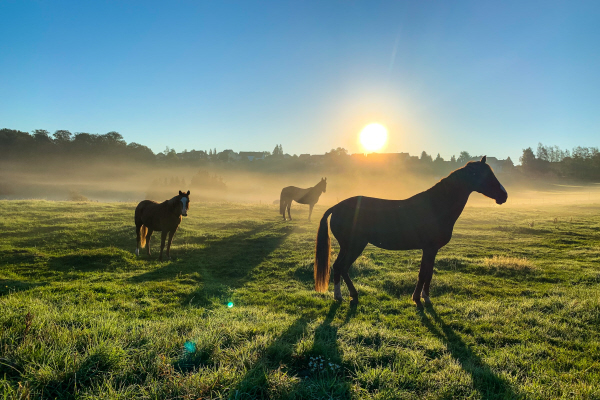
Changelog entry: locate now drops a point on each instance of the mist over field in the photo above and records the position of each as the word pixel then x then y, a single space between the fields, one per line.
pixel 131 181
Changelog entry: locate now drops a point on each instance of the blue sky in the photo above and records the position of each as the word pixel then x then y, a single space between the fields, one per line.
pixel 486 77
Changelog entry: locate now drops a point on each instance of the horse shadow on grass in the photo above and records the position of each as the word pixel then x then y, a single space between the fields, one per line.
pixel 222 263
pixel 86 261
pixel 8 286
pixel 485 381
pixel 279 355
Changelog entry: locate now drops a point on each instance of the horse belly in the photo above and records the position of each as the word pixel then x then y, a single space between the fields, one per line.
pixel 407 233
pixel 396 240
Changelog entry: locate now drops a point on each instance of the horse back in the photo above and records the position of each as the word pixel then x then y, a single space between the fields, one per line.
pixel 143 207
pixel 390 224
pixel 156 216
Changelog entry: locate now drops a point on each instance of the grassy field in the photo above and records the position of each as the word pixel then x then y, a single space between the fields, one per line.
pixel 516 308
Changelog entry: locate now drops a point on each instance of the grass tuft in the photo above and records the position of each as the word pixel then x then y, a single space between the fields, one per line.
pixel 505 262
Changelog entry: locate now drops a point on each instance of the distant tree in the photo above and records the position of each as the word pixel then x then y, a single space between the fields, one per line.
pixel 340 151
pixel 113 138
pixel 139 152
pixel 438 159
pixel 278 151
pixel 42 136
pixel 62 136
pixel 527 159
pixel 542 153
pixel 509 163
pixel 453 159
pixel 464 157
pixel 426 157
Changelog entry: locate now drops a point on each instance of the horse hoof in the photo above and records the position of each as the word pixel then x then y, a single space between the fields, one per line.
pixel 427 301
pixel 354 302
pixel 417 302
pixel 338 298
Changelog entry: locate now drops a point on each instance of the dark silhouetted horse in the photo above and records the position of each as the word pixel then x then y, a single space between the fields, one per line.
pixel 308 196
pixel 424 221
pixel 165 217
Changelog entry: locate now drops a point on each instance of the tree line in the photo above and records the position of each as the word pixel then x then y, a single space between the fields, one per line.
pixel 38 146
pixel 581 163
pixel 63 145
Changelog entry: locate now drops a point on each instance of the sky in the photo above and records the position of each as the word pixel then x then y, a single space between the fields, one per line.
pixel 443 76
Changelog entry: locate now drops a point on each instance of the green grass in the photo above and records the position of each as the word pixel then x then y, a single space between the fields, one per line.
pixel 516 308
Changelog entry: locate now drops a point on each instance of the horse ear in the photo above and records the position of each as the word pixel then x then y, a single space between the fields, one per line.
pixel 483 159
pixel 180 192
pixel 325 179
pixel 188 193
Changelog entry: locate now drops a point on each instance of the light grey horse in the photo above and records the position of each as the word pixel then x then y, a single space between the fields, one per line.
pixel 308 196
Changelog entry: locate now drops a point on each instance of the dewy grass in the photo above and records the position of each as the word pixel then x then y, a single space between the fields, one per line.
pixel 516 310
pixel 516 263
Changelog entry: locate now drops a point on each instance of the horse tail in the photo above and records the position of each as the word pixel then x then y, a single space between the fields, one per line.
pixel 322 253
pixel 143 233
pixel 281 204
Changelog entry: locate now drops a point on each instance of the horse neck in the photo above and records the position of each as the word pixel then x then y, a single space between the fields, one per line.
pixel 316 189
pixel 167 206
pixel 450 195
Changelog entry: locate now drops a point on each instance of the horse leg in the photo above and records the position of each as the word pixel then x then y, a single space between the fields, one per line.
pixel 425 291
pixel 337 274
pixel 346 258
pixel 310 211
pixel 148 236
pixel 282 208
pixel 138 226
pixel 425 274
pixel 171 234
pixel 289 207
pixel 163 237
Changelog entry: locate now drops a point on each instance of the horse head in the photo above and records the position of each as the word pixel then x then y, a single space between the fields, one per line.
pixel 481 179
pixel 181 203
pixel 323 185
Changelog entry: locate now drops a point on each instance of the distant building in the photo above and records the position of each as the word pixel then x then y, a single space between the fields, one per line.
pixel 229 155
pixel 497 165
pixel 317 159
pixel 252 155
pixel 193 155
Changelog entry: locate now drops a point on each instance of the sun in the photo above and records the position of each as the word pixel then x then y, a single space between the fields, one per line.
pixel 373 137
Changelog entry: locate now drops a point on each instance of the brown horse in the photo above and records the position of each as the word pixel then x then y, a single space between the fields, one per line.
pixel 165 217
pixel 308 196
pixel 424 221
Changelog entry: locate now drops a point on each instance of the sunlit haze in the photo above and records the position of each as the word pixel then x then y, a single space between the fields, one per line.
pixel 373 137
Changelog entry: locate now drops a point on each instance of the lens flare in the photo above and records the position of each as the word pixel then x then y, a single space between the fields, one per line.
pixel 230 304
pixel 190 347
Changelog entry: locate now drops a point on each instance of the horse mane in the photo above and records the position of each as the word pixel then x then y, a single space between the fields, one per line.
pixel 453 179
pixel 173 200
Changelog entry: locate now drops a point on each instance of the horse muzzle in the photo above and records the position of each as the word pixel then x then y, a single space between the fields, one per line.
pixel 501 199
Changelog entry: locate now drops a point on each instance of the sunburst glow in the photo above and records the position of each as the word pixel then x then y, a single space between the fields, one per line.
pixel 373 137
